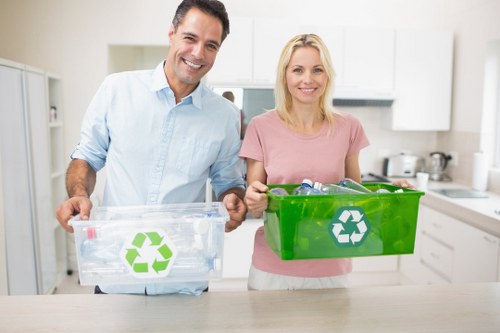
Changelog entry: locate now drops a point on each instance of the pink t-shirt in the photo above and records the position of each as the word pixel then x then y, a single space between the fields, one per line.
pixel 288 158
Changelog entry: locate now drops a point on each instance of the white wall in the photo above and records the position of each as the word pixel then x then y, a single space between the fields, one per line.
pixel 71 38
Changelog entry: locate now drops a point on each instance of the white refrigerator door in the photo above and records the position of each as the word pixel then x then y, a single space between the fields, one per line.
pixel 43 216
pixel 21 267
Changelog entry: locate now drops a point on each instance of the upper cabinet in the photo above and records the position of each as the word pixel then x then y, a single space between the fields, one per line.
pixel 250 54
pixel 363 59
pixel 270 36
pixel 234 63
pixel 423 80
pixel 412 67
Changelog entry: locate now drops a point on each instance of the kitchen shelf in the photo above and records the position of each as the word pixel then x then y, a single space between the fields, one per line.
pixel 57 171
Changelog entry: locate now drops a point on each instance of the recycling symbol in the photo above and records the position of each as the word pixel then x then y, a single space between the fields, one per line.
pixel 148 253
pixel 349 226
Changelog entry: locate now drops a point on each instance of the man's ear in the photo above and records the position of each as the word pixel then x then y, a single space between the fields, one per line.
pixel 171 32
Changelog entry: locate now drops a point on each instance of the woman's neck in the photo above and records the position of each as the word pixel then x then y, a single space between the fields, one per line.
pixel 307 120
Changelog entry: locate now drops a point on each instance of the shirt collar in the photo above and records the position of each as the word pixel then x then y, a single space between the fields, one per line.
pixel 159 82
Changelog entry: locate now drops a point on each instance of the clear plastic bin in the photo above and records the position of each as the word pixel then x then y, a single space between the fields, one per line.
pixel 148 244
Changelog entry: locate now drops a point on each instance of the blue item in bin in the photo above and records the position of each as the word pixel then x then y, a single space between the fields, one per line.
pixel 306 188
pixel 278 191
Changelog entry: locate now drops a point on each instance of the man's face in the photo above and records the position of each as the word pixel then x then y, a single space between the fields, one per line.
pixel 193 48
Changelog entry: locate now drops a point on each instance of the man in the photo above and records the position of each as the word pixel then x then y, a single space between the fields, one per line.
pixel 161 134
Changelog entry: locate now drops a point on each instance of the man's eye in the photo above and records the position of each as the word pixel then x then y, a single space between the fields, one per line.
pixel 213 47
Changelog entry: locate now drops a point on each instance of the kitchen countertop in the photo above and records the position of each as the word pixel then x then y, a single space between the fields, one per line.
pixel 435 308
pixel 477 212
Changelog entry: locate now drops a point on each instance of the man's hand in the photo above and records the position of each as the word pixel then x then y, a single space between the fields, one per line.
pixel 237 211
pixel 71 207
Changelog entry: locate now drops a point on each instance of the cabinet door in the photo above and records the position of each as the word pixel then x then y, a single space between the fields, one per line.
pixel 333 37
pixel 270 36
pixel 17 199
pixel 37 107
pixel 423 78
pixel 409 264
pixel 368 58
pixel 238 249
pixel 475 255
pixel 234 61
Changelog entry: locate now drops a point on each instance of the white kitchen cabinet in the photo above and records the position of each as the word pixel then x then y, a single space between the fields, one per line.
pixel 423 68
pixel 270 36
pixel 27 217
pixel 234 63
pixel 412 267
pixel 449 250
pixel 476 254
pixel 238 249
pixel 333 37
pixel 368 60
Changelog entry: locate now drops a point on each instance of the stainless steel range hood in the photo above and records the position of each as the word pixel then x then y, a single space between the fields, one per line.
pixel 357 96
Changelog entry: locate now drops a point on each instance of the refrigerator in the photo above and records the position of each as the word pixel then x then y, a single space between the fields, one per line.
pixel 27 245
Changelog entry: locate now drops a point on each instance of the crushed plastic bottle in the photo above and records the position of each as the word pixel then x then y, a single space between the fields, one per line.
pixel 334 189
pixel 104 249
pixel 306 188
pixel 349 183
pixel 279 191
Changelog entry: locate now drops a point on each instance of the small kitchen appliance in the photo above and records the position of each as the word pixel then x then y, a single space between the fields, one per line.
pixel 402 165
pixel 439 161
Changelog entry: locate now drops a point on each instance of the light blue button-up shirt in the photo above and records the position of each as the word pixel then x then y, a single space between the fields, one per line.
pixel 158 152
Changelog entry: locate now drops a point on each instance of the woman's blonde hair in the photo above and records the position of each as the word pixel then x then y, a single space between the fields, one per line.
pixel 282 95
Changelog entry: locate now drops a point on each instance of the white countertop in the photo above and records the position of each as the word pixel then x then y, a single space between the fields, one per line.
pixel 477 212
pixel 437 308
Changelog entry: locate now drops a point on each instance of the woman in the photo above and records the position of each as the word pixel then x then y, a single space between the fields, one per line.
pixel 302 138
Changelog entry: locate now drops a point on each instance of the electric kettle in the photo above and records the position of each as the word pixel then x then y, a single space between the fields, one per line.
pixel 438 164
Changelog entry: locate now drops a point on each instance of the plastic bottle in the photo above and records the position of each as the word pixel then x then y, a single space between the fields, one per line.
pixel 306 188
pixel 98 248
pixel 279 191
pixel 334 189
pixel 349 183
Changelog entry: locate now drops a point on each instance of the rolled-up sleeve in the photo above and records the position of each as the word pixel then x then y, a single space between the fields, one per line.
pixel 94 136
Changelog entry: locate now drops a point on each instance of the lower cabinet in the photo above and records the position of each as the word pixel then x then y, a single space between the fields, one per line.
pixel 448 250
pixel 238 249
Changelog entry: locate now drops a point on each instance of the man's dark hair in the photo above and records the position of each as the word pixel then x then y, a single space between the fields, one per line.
pixel 211 7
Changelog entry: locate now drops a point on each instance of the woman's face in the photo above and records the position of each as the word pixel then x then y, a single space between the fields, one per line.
pixel 305 76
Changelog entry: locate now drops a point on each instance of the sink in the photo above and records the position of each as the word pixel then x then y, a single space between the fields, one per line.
pixel 460 193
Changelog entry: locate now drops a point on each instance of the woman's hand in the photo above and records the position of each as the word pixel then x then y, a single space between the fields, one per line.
pixel 402 183
pixel 256 198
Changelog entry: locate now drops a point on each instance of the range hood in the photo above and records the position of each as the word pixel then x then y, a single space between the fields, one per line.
pixel 358 96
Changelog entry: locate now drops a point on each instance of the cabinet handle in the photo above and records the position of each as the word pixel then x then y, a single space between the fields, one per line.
pixel 436 225
pixel 435 256
pixel 489 240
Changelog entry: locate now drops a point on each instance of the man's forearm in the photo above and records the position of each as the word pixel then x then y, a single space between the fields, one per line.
pixel 80 179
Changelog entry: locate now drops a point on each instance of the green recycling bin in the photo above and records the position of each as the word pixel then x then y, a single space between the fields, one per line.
pixel 342 225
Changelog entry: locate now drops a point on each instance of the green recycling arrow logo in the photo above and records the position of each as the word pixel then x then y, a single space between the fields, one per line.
pixel 148 253
pixel 349 226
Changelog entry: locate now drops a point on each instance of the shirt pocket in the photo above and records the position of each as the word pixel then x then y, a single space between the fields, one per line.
pixel 193 157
